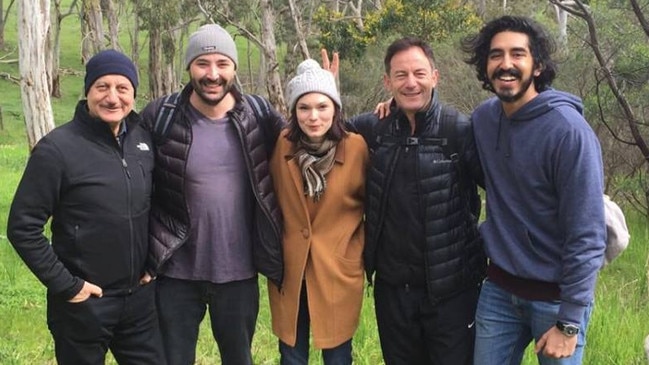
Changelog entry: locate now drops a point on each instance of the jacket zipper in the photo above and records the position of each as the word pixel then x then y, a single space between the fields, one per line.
pixel 255 188
pixel 129 199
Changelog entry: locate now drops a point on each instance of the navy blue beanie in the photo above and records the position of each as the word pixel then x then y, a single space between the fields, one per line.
pixel 109 62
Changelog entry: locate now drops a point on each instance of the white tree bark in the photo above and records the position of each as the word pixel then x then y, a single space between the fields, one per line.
pixel 92 29
pixel 33 33
pixel 562 21
pixel 113 25
pixel 295 15
pixel 273 79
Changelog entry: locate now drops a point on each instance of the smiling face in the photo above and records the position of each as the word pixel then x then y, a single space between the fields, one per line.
pixel 111 99
pixel 212 76
pixel 314 113
pixel 511 70
pixel 411 80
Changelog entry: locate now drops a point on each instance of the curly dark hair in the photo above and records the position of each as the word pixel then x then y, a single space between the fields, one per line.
pixel 541 45
pixel 336 133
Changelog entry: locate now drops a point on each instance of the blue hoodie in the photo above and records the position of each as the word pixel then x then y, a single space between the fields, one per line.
pixel 544 182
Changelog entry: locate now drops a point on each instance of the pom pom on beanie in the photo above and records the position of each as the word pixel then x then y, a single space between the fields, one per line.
pixel 311 78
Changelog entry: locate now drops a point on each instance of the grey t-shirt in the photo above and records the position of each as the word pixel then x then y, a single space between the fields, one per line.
pixel 220 200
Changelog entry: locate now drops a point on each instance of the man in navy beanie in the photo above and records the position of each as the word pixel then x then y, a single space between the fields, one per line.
pixel 93 176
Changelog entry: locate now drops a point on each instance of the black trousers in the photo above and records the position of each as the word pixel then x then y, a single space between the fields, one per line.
pixel 233 309
pixel 413 331
pixel 126 325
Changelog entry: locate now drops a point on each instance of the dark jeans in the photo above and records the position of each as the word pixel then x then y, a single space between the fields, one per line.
pixel 127 325
pixel 233 311
pixel 299 355
pixel 413 331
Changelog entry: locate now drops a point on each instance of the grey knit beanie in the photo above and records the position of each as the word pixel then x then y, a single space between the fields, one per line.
pixel 311 78
pixel 210 38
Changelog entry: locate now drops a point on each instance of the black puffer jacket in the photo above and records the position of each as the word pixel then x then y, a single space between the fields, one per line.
pixel 169 223
pixel 98 195
pixel 453 256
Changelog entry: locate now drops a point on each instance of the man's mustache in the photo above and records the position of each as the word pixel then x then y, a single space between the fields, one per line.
pixel 510 72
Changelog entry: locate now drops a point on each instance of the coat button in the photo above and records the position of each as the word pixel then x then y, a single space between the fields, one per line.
pixel 305 233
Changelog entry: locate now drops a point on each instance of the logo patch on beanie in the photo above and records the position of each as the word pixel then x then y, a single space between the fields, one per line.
pixel 208 48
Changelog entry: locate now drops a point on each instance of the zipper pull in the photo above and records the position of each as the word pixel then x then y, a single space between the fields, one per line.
pixel 125 166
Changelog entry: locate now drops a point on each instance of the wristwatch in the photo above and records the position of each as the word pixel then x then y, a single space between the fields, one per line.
pixel 567 329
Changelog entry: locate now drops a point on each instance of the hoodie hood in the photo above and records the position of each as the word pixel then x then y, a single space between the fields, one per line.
pixel 534 111
pixel 546 101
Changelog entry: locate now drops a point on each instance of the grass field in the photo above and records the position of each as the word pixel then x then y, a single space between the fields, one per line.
pixel 618 326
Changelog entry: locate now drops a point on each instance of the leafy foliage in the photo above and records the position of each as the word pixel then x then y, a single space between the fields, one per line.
pixel 433 21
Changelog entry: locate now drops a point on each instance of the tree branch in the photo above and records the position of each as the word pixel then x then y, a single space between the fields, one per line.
pixel 641 18
pixel 581 11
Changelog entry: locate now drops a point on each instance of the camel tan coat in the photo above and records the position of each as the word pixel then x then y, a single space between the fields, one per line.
pixel 322 243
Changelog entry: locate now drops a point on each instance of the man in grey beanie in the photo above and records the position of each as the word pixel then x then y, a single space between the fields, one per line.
pixel 215 222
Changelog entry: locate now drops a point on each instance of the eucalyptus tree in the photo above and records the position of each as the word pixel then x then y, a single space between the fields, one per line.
pixel 55 44
pixel 613 31
pixel 92 29
pixel 3 20
pixel 166 23
pixel 33 29
pixel 111 10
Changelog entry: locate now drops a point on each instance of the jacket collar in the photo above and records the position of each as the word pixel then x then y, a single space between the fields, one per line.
pixel 97 126
pixel 424 119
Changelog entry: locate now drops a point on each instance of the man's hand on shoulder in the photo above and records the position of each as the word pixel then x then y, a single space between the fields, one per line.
pixel 382 109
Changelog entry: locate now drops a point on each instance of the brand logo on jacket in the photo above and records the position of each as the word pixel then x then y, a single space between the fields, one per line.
pixel 142 146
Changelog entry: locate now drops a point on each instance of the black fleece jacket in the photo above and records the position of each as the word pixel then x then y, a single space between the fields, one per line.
pixel 98 196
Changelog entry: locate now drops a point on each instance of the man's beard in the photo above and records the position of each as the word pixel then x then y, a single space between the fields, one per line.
pixel 506 96
pixel 212 101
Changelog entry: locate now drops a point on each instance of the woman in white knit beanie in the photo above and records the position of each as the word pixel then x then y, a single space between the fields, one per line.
pixel 318 169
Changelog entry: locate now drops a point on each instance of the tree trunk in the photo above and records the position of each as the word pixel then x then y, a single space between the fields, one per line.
pixel 481 7
pixel 301 39
pixel 170 41
pixel 3 20
pixel 2 25
pixel 162 69
pixel 269 48
pixel 155 65
pixel 92 29
pixel 135 35
pixel 33 29
pixel 562 20
pixel 55 35
pixel 113 24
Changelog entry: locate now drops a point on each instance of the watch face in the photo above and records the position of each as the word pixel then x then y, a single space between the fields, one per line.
pixel 571 330
pixel 568 329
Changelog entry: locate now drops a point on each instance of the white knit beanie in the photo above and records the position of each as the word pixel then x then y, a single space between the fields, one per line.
pixel 210 38
pixel 311 78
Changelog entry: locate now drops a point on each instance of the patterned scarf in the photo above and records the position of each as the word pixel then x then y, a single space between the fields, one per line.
pixel 315 159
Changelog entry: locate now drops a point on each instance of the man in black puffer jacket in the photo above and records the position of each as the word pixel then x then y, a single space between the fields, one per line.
pixel 422 210
pixel 92 176
pixel 215 222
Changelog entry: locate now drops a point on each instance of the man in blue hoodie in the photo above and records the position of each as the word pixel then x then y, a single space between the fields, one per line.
pixel 545 232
